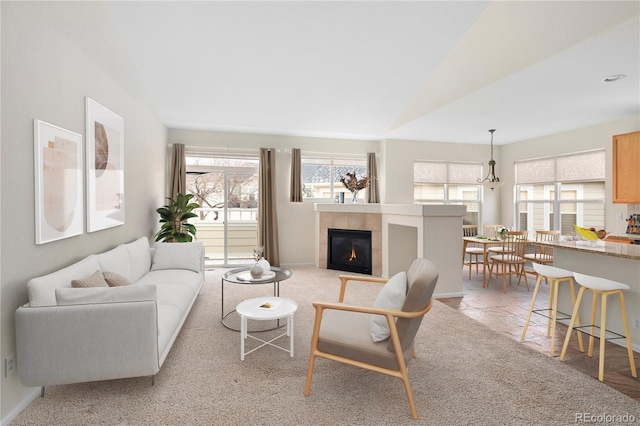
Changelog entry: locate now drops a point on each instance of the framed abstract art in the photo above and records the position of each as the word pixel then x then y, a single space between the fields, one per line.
pixel 105 167
pixel 59 195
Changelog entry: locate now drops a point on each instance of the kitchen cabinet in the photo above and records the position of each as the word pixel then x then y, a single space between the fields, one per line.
pixel 626 168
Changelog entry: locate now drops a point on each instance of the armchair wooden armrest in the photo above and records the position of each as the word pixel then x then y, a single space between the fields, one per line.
pixel 344 279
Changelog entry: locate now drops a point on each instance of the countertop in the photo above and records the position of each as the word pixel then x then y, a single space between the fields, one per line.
pixel 607 248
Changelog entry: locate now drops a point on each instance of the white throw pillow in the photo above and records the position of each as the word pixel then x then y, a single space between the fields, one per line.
pixel 177 256
pixel 84 296
pixel 391 296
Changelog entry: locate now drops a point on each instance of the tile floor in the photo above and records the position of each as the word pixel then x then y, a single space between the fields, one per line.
pixel 507 313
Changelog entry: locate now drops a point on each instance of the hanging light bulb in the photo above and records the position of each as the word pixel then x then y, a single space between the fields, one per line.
pixel 491 181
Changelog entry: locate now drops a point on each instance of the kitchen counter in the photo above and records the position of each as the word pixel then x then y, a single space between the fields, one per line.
pixel 628 251
pixel 615 261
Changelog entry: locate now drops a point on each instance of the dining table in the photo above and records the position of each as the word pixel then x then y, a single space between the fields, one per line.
pixel 485 242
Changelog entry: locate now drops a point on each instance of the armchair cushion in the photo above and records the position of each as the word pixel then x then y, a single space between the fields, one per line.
pixel 391 296
pixel 346 334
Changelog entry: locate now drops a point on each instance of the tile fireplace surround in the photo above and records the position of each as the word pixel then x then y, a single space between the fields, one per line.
pixel 399 234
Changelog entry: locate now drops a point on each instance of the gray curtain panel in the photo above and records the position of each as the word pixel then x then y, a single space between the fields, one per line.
pixel 178 183
pixel 373 192
pixel 295 195
pixel 267 214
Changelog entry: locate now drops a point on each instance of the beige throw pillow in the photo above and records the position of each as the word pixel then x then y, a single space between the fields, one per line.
pixel 115 280
pixel 94 280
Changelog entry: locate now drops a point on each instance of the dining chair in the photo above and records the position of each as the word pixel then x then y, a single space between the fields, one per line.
pixel 490 231
pixel 343 332
pixel 511 260
pixel 474 251
pixel 543 254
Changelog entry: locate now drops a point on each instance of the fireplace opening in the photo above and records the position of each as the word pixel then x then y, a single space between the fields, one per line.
pixel 349 250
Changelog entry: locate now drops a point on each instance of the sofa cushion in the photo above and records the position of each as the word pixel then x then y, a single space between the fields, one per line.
pixel 116 260
pixel 94 280
pixel 391 296
pixel 177 256
pixel 84 296
pixel 41 290
pixel 140 257
pixel 115 280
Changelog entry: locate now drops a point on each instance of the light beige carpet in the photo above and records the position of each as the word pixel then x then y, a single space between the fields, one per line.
pixel 465 374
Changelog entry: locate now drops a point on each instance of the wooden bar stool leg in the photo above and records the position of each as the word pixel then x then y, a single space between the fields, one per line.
pixel 574 315
pixel 533 300
pixel 603 334
pixel 593 321
pixel 554 314
pixel 623 311
pixel 573 299
pixel 553 283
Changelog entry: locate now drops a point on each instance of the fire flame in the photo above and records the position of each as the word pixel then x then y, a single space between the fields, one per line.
pixel 353 253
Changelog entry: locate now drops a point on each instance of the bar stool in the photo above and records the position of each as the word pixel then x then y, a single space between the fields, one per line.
pixel 555 276
pixel 604 288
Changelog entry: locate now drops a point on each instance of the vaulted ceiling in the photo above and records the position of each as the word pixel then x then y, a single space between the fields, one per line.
pixel 423 70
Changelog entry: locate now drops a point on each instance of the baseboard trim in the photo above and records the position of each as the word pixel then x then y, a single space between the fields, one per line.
pixel 445 295
pixel 18 409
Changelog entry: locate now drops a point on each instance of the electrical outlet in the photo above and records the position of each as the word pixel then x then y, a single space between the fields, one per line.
pixel 636 323
pixel 9 365
pixel 619 216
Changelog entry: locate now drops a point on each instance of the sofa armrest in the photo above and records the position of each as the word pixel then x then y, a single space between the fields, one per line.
pixel 82 343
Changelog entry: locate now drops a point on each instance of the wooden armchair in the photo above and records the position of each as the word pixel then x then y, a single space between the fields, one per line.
pixel 342 332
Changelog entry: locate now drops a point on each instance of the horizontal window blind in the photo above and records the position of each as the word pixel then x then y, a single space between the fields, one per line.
pixel 577 167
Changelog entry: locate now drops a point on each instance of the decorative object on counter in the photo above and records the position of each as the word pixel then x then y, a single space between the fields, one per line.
pixel 501 231
pixel 590 234
pixel 491 181
pixel 353 184
pixel 257 270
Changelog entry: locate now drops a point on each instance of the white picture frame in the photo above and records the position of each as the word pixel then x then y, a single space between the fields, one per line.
pixel 105 167
pixel 58 177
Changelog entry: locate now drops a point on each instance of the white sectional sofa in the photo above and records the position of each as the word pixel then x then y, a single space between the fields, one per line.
pixel 71 335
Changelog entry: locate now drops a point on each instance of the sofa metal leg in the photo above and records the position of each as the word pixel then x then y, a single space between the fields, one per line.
pixel 42 392
pixel 153 380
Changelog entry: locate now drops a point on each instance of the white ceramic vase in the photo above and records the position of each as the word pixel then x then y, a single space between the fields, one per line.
pixel 256 271
pixel 265 265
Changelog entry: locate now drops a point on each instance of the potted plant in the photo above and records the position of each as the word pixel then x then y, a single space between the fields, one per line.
pixel 173 218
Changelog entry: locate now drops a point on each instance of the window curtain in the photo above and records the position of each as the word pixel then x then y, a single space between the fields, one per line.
pixel 267 214
pixel 373 192
pixel 295 195
pixel 178 182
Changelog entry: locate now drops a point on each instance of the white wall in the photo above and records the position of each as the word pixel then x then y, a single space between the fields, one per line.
pixel 49 65
pixel 397 169
pixel 588 138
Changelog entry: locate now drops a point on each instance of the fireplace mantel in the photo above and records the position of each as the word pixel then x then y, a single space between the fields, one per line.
pixel 401 233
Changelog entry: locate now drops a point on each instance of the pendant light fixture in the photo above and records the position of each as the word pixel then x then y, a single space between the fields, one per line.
pixel 491 181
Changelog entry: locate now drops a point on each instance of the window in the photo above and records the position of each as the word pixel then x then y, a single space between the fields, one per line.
pixel 225 185
pixel 558 192
pixel 438 182
pixel 321 176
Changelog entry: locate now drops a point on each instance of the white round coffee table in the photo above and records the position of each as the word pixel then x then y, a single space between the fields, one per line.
pixel 266 308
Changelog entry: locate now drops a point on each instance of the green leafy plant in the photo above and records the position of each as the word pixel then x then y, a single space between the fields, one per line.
pixel 173 218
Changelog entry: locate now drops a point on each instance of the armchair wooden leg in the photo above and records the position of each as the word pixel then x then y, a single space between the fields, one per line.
pixel 307 387
pixel 407 387
pixel 314 348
